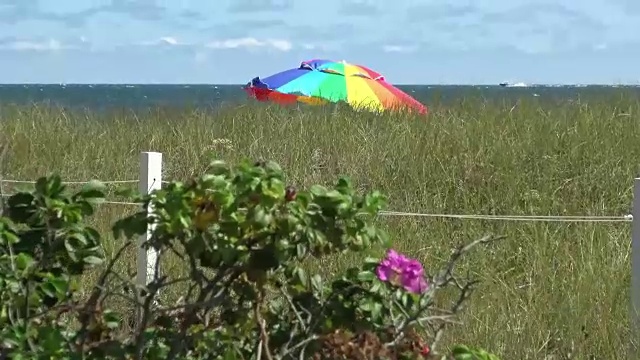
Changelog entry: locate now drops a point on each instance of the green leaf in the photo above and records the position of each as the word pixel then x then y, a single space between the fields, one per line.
pixel 374 202
pixel 301 276
pixel 462 352
pixel 230 354
pixel 377 288
pixel 460 349
pixel 316 283
pixel 328 323
pixel 60 285
pixel 229 255
pixel 344 186
pixel 71 249
pixel 85 207
pixel 366 276
pixel 301 250
pixel 93 260
pixel 371 261
pixel 317 190
pixel 55 185
pixel 51 339
pixel 273 188
pixel 376 311
pixel 79 238
pixel 335 196
pixel 22 207
pixel 218 167
pixel 23 261
pixel 260 217
pixel 93 191
pixel 220 182
pixel 41 186
pixel 367 304
pixel 134 225
pixel 408 299
pixel 273 168
pixel 467 356
pixel 48 289
pixel 9 238
pixel 111 319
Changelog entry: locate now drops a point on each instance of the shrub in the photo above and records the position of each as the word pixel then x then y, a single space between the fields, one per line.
pixel 245 237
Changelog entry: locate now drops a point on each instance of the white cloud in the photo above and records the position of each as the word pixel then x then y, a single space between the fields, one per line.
pixel 25 45
pixel 250 42
pixel 165 40
pixel 321 47
pixel 399 48
pixel 518 24
pixel 169 40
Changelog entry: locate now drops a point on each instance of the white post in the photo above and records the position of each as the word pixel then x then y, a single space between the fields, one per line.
pixel 150 179
pixel 635 269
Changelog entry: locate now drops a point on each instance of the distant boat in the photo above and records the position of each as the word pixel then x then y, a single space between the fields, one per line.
pixel 518 84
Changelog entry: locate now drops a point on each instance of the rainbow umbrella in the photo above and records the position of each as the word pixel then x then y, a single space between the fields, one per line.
pixel 320 81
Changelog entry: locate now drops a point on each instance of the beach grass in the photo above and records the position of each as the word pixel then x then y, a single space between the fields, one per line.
pixel 555 290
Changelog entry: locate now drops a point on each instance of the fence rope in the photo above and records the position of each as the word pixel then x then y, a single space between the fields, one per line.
pixel 120 203
pixel 532 218
pixel 527 218
pixel 71 182
pixel 103 202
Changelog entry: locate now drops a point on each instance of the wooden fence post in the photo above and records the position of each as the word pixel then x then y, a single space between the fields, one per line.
pixel 150 180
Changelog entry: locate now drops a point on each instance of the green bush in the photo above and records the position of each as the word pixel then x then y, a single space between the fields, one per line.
pixel 245 237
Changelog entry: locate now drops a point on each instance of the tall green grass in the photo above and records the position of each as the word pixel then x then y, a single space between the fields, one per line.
pixel 548 289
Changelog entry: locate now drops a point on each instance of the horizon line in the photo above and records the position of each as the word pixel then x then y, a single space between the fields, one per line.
pixel 629 84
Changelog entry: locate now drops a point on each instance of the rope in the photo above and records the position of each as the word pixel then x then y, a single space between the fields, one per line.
pixel 104 202
pixel 71 182
pixel 120 203
pixel 530 218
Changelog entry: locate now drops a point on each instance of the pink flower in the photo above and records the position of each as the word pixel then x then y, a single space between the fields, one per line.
pixel 399 270
pixel 426 351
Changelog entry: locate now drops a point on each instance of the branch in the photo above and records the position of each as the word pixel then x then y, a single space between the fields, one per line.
pixel 91 304
pixel 150 295
pixel 205 300
pixel 302 344
pixel 264 337
pixel 445 276
pixel 293 308
pixel 307 326
pixel 465 292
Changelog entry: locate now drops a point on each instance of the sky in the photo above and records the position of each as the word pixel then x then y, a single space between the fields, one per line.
pixel 232 41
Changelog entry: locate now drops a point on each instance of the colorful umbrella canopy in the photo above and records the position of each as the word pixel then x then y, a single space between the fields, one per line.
pixel 320 81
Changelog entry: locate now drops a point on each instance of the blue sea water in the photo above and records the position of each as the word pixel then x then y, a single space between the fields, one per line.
pixel 144 96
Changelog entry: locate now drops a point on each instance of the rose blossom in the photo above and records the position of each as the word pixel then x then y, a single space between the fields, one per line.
pixel 400 270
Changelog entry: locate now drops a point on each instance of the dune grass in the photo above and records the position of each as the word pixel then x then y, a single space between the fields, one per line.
pixel 549 290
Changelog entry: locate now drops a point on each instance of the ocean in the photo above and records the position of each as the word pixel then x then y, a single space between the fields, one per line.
pixel 100 97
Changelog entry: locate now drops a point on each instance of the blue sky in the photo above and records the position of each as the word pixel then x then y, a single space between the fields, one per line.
pixel 231 41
